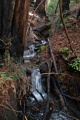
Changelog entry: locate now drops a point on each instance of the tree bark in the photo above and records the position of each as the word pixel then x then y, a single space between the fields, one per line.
pixel 0 18
pixel 21 19
pixel 14 18
pixel 6 12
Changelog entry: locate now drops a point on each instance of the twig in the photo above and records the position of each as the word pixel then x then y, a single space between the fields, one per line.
pixel 25 118
pixel 10 109
pixel 51 73
pixel 73 98
pixel 52 56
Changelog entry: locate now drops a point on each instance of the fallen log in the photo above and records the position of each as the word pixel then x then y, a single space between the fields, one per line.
pixel 43 30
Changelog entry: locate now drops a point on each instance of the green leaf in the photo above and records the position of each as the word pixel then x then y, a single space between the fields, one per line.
pixel 8 78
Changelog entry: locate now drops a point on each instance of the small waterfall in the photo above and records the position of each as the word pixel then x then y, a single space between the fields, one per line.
pixel 36 80
pixel 37 88
pixel 29 53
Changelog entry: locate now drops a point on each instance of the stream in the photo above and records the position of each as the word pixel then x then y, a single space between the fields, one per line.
pixel 35 105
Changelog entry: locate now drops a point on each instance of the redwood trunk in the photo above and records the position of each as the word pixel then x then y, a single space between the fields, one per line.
pixel 21 19
pixel 14 18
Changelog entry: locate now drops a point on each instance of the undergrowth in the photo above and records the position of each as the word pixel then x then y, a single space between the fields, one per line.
pixel 74 63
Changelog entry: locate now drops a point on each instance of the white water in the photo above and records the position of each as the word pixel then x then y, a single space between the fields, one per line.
pixel 37 88
pixel 30 53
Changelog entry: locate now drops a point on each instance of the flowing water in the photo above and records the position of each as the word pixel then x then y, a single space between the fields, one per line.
pixel 37 88
pixel 59 116
pixel 39 94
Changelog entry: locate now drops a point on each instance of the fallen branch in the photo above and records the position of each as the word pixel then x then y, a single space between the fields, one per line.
pixel 55 82
pixel 60 7
pixel 73 98
pixel 48 92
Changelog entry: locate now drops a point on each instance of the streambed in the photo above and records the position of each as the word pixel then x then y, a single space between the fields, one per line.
pixel 36 102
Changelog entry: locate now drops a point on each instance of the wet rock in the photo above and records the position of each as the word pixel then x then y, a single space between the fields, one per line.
pixel 59 116
pixel 28 54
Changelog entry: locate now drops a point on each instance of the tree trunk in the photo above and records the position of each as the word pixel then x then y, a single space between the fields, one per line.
pixel 7 9
pixel 21 19
pixel 14 18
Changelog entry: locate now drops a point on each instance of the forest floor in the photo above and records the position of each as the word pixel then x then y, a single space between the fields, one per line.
pixel 59 41
pixel 70 78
